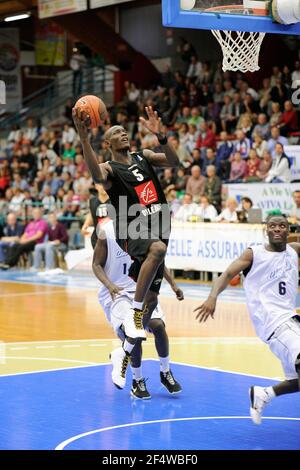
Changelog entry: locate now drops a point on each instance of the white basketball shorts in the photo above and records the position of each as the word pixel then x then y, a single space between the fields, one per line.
pixel 285 344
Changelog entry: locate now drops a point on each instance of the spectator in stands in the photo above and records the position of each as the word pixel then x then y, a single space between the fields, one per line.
pixel 44 153
pixel 196 119
pixel 209 159
pixel 57 239
pixel 69 152
pixel 30 132
pixel 259 144
pixel 195 68
pixel 213 186
pixel 279 92
pixel 69 135
pixel 53 143
pixel 188 209
pixel 27 163
pixel 196 183
pixel 11 233
pixel 296 72
pixel 167 178
pixel 182 150
pixel 289 120
pixel 238 169
pixel 264 166
pixel 226 115
pixel 276 115
pixel 181 180
pixel 229 214
pixel 15 204
pixel 206 139
pixel 265 95
pixel 280 171
pixel 172 200
pixel 185 50
pixel 262 127
pixel 4 178
pixel 252 167
pixel 276 138
pixel 34 233
pixel 242 145
pixel 19 182
pixel 207 212
pixel 295 211
pixel 48 201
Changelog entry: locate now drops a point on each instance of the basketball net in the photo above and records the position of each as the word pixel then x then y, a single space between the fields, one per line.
pixel 241 49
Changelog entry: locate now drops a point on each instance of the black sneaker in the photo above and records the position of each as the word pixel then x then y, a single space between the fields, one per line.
pixel 168 381
pixel 139 389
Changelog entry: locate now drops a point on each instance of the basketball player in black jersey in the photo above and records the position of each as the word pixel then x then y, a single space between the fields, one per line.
pixel 132 176
pixel 100 210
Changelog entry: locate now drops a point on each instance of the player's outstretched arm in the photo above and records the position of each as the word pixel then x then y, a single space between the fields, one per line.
pixel 169 156
pixel 99 173
pixel 168 277
pixel 99 260
pixel 207 309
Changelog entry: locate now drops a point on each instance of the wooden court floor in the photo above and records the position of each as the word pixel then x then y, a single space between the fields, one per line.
pixel 47 327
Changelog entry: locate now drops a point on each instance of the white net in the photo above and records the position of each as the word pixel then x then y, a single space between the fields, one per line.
pixel 240 50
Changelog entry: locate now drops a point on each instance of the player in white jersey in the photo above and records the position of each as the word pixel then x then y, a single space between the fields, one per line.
pixel 271 288
pixel 111 265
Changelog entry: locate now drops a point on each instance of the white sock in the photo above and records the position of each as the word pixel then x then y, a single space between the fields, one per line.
pixel 137 305
pixel 128 347
pixel 164 364
pixel 270 392
pixel 137 373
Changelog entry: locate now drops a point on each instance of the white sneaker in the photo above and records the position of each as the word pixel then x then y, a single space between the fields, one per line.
pixel 120 362
pixel 133 324
pixel 258 400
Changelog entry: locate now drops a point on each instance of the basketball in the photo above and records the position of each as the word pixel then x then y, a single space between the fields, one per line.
pixel 94 107
pixel 235 281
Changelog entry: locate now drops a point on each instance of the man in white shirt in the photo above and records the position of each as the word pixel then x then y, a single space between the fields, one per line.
pixel 280 170
pixel 207 212
pixel 188 209
pixel 271 289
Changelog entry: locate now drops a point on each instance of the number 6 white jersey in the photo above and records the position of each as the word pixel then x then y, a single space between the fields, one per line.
pixel 271 288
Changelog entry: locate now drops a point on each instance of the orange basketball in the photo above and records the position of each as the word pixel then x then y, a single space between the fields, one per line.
pixel 94 107
pixel 235 281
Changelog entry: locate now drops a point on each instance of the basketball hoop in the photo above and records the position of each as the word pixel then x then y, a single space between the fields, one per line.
pixel 240 49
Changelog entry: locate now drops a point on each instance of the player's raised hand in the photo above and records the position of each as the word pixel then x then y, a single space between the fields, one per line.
pixel 153 123
pixel 207 309
pixel 114 290
pixel 81 121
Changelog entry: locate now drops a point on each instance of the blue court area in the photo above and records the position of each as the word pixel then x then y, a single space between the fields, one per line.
pixel 81 409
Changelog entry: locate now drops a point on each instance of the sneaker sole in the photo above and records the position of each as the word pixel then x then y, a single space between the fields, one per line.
pixel 116 385
pixel 139 398
pixel 172 393
pixel 253 413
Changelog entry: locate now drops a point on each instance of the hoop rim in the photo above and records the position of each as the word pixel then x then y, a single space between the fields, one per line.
pixel 239 9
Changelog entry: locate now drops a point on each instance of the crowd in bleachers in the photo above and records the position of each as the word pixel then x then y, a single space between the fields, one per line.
pixel 223 130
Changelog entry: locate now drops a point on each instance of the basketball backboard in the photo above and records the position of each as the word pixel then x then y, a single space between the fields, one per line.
pixel 231 15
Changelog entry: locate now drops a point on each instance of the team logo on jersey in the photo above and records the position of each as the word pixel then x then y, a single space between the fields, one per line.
pixel 146 193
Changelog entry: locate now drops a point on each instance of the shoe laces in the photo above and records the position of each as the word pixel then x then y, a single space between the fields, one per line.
pixel 138 319
pixel 168 375
pixel 141 383
pixel 124 366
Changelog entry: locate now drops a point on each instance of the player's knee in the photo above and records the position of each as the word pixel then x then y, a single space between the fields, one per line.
pixel 158 249
pixel 157 326
pixel 298 364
